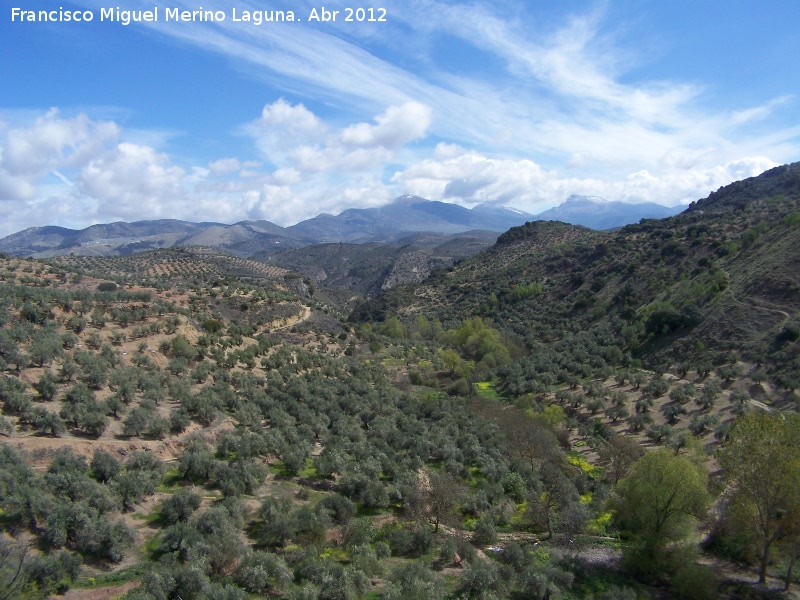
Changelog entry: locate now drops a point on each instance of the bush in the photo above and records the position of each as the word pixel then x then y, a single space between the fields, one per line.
pixel 104 466
pixel 485 531
pixel 186 582
pixel 414 580
pixel 358 532
pixel 53 573
pixel 341 509
pixel 401 540
pixel 482 579
pixel 515 487
pixel 460 388
pixel 261 571
pixel 180 506
pixel 694 582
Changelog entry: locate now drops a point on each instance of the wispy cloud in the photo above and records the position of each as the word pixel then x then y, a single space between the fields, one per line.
pixel 355 114
pixel 568 96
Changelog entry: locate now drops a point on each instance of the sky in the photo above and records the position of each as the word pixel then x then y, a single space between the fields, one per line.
pixel 512 103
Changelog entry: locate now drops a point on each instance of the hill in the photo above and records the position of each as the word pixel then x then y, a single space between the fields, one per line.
pixel 114 238
pixel 717 284
pixel 369 267
pixel 405 216
pixel 184 422
pixel 596 213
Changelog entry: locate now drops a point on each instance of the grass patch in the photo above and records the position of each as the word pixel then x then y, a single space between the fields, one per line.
pixel 486 389
pixel 120 577
pixel 519 520
pixel 594 581
pixel 152 518
pixel 578 461
pixel 310 471
pixel 393 362
pixel 475 476
pixel 372 511
pixel 337 554
pixel 599 526
pixel 171 480
pixel 152 546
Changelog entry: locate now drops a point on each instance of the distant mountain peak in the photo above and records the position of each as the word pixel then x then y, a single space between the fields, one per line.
pixel 576 198
pixel 498 209
pixel 598 213
pixel 408 199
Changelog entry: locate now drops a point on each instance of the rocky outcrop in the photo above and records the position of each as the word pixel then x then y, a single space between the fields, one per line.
pixel 414 267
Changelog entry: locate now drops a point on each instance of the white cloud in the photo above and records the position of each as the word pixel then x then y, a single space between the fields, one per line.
pixel 136 179
pixel 562 92
pixel 444 151
pixel 291 136
pixel 51 143
pixel 224 166
pixel 471 177
pixel 286 176
pixel 292 120
pixel 127 181
pixel 394 128
pixel 289 203
pixel 13 187
pixel 283 126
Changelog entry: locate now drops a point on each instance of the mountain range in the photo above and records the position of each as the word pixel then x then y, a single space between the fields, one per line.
pixel 386 224
pixel 597 213
pixel 718 284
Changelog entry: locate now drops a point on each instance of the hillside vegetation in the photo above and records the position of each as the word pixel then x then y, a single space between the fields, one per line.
pixel 717 285
pixel 569 414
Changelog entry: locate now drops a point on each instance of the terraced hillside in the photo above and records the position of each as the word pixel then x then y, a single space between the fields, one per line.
pixel 717 284
pixel 183 423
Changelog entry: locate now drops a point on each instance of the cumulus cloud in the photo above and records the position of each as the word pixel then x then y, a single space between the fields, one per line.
pixel 225 166
pixel 292 120
pixel 471 177
pixel 90 172
pixel 53 142
pixel 50 143
pixel 394 128
pixel 291 136
pixel 293 200
pixel 316 167
pixel 286 176
pixel 14 187
pixel 282 126
pixel 136 178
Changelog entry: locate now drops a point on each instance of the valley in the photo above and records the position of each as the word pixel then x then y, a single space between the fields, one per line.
pixel 547 411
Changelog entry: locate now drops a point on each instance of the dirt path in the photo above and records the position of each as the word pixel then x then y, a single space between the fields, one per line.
pixel 304 316
pixel 760 405
pixel 759 304
pixel 732 572
pixel 97 593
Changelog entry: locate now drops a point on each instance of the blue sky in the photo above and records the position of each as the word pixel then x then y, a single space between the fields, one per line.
pixel 514 103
